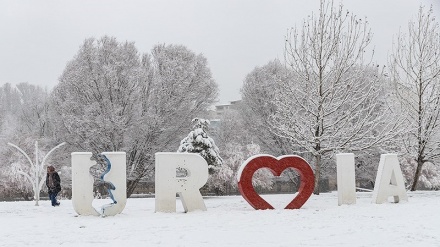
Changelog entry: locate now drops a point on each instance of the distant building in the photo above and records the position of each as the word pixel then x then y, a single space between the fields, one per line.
pixel 217 113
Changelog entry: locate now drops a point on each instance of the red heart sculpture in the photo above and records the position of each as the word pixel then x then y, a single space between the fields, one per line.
pixel 276 166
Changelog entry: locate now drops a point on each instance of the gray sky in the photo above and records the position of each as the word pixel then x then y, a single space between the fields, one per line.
pixel 37 38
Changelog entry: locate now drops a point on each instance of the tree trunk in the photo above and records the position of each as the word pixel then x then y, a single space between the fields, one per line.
pixel 131 185
pixel 317 173
pixel 417 174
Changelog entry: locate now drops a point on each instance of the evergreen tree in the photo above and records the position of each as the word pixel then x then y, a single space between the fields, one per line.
pixel 199 142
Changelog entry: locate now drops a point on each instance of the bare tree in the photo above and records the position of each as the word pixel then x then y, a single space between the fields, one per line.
pixel 177 87
pixel 415 71
pixel 260 90
pixel 336 101
pixel 259 93
pixel 236 144
pixel 25 119
pixel 28 105
pixel 112 99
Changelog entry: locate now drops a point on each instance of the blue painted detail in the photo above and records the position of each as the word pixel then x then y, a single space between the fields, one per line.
pixel 109 185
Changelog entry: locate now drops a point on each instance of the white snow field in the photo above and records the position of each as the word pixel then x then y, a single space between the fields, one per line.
pixel 230 221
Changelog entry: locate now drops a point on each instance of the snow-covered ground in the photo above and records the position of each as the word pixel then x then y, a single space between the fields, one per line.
pixel 230 221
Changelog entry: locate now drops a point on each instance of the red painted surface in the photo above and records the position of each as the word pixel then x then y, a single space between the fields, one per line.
pixel 307 179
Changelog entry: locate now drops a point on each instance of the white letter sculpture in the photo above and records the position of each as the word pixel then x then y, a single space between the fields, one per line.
pixel 167 184
pixel 346 178
pixel 114 178
pixel 389 180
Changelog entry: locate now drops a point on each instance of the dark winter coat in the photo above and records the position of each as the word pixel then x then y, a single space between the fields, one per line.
pixel 56 182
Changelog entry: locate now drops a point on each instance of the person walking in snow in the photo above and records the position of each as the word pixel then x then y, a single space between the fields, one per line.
pixel 53 183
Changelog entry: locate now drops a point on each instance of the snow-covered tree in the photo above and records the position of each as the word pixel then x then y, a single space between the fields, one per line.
pixel 13 184
pixel 236 145
pixel 10 98
pixel 111 98
pixel 28 106
pixel 415 71
pixel 198 141
pixel 220 182
pixel 259 92
pixel 366 163
pixel 429 176
pixel 336 100
pixel 24 110
pixel 33 114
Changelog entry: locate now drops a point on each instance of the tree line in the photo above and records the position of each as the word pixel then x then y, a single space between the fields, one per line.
pixel 325 97
pixel 328 97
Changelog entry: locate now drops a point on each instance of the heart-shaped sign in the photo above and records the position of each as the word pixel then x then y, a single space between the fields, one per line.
pixel 276 166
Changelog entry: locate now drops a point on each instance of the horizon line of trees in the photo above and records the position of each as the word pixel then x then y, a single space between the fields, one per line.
pixel 328 97
pixel 325 97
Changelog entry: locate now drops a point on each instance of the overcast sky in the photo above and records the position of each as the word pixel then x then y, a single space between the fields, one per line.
pixel 37 38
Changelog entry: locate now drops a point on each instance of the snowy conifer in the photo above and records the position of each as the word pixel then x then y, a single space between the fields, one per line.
pixel 199 142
